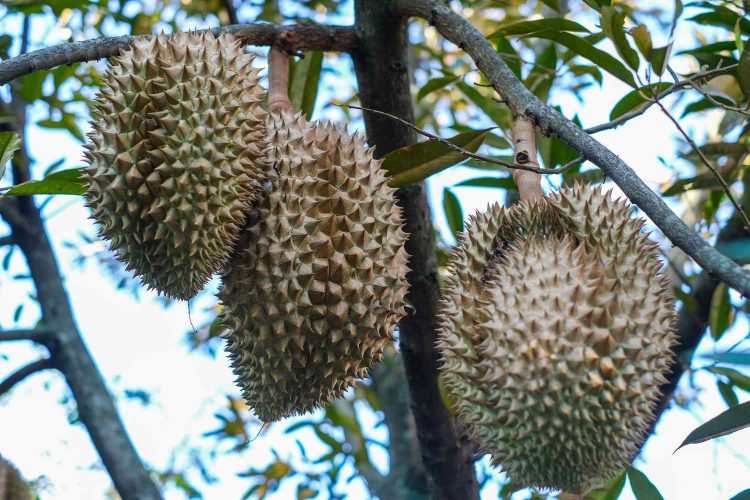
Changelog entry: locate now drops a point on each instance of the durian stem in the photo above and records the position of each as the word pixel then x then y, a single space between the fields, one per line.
pixel 524 143
pixel 278 80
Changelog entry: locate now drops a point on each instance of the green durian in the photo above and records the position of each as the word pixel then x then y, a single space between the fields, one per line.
pixel 555 333
pixel 176 156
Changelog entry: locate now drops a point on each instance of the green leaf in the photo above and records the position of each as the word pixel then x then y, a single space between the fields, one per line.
pixel 636 98
pixel 735 377
pixel 489 182
pixel 704 104
pixel 660 58
pixel 62 182
pixel 642 38
pixel 613 24
pixel 710 48
pixel 10 142
pixel 643 488
pixel 719 316
pixel 732 420
pixel 435 84
pixel 497 112
pixel 742 495
pixel 594 4
pixel 727 393
pixel 416 162
pixel 743 69
pixel 585 49
pixel 304 78
pixel 722 17
pixel 732 358
pixel 67 122
pixel 610 491
pixel 526 27
pixel 453 211
pixel 678 8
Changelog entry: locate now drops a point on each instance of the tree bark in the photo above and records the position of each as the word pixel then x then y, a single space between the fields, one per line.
pixel 382 73
pixel 59 333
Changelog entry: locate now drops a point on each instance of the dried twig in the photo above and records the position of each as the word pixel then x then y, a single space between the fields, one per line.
pixel 679 85
pixel 469 154
pixel 38 335
pixel 707 163
pixel 709 97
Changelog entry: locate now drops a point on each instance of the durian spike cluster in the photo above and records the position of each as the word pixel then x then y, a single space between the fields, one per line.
pixel 176 156
pixel 555 334
pixel 316 287
pixel 12 485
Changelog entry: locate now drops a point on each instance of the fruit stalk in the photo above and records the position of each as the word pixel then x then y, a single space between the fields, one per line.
pixel 278 80
pixel 524 143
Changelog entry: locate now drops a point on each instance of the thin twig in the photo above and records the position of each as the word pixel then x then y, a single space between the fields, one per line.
pixel 39 335
pixel 709 97
pixel 680 85
pixel 20 374
pixel 7 240
pixel 707 163
pixel 469 154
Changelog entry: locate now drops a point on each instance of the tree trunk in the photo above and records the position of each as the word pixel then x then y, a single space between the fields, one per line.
pixel 383 77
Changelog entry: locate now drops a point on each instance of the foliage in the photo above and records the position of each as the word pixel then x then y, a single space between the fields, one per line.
pixel 626 46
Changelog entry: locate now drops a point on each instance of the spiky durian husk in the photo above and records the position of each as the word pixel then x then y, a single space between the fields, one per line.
pixel 317 284
pixel 176 155
pixel 12 485
pixel 555 334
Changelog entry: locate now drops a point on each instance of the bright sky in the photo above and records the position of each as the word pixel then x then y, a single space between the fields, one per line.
pixel 140 344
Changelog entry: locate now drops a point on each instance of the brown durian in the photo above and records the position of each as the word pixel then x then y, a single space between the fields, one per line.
pixel 12 485
pixel 176 156
pixel 555 334
pixel 316 286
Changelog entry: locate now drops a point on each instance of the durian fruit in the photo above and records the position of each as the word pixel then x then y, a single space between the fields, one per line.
pixel 556 329
pixel 176 156
pixel 317 284
pixel 12 485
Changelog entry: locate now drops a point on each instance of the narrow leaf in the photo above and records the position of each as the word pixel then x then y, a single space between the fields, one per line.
pixel 418 161
pixel 453 212
pixel 613 24
pixel 732 358
pixel 742 495
pixel 719 314
pixel 735 377
pixel 636 98
pixel 643 488
pixel 585 49
pixel 727 393
pixel 610 491
pixel 435 84
pixel 490 182
pixel 743 69
pixel 660 58
pixel 642 38
pixel 62 182
pixel 526 27
pixel 304 81
pixel 732 420
pixel 10 142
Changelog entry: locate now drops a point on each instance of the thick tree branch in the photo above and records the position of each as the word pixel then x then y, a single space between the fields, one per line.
pixel 523 103
pixel 383 78
pixel 293 37
pixel 20 374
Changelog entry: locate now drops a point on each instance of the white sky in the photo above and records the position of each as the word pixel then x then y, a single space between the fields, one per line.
pixel 140 344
